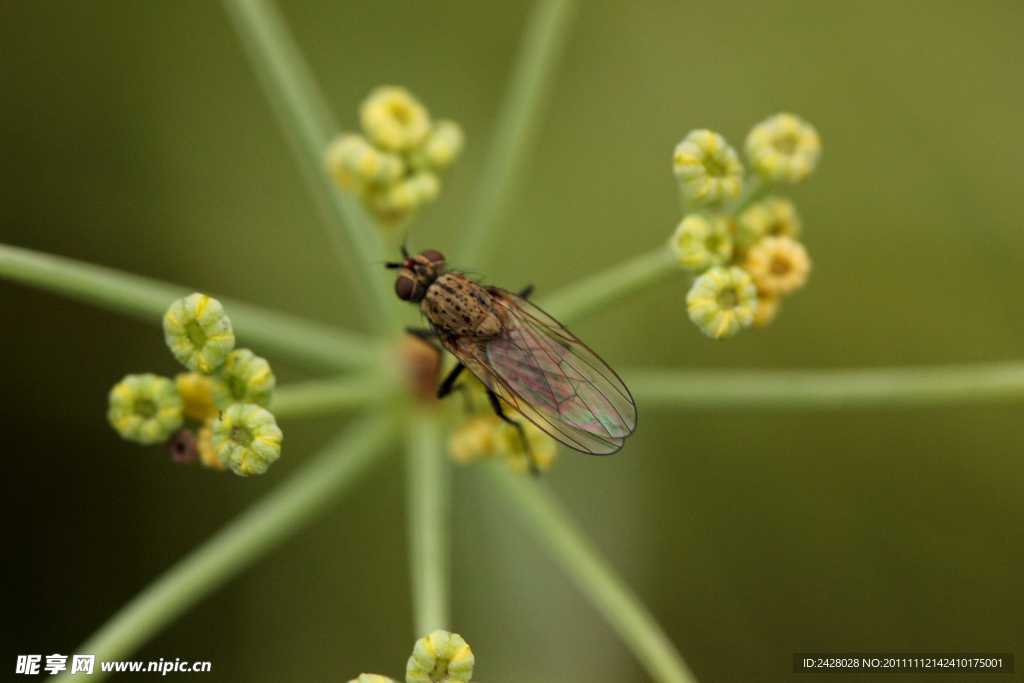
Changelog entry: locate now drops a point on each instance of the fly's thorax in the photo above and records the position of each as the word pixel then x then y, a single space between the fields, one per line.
pixel 459 307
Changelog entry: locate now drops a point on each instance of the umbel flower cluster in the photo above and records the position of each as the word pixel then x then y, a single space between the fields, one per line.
pixel 441 657
pixel 396 166
pixel 216 412
pixel 741 246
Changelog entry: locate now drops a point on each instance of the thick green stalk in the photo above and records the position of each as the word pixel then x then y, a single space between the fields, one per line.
pixel 576 301
pixel 594 576
pixel 291 338
pixel 257 531
pixel 309 127
pixel 429 483
pixel 318 397
pixel 542 45
pixel 826 389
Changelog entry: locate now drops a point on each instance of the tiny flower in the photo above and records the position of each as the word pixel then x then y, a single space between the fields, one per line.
pixel 783 148
pixel 509 443
pixel 197 391
pixel 441 657
pixel 475 439
pixel 355 162
pixel 198 332
pixel 244 378
pixel 247 439
pixel 393 119
pixel 372 678
pixel 702 241
pixel 770 217
pixel 204 446
pixel 767 309
pixel 778 265
pixel 441 148
pixel 146 408
pixel 394 203
pixel 708 169
pixel 722 301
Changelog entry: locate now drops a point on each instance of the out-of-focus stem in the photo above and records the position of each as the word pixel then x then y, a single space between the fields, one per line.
pixel 309 127
pixel 594 576
pixel 291 338
pixel 428 483
pixel 826 389
pixel 519 116
pixel 576 301
pixel 318 397
pixel 255 532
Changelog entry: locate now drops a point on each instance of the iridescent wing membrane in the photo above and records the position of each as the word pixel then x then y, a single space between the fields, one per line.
pixel 543 371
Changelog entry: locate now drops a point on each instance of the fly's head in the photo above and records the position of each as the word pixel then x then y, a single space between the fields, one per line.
pixel 417 273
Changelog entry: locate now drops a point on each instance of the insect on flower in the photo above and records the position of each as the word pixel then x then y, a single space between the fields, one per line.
pixel 522 355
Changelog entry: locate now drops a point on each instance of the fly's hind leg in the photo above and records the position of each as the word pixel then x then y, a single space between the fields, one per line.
pixel 496 404
pixel 527 291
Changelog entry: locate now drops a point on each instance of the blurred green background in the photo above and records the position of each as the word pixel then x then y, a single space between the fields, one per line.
pixel 135 135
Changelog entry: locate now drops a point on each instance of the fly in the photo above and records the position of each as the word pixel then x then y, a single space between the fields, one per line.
pixel 522 355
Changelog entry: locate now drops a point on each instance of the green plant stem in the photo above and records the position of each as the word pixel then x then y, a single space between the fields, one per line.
pixel 753 190
pixel 429 479
pixel 291 338
pixel 576 301
pixel 594 576
pixel 547 32
pixel 826 389
pixel 255 532
pixel 309 127
pixel 318 397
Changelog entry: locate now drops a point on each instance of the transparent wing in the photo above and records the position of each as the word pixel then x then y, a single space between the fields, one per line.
pixel 554 380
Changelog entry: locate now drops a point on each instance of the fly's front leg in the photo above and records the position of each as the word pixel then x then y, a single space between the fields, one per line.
pixel 449 381
pixel 496 404
pixel 424 334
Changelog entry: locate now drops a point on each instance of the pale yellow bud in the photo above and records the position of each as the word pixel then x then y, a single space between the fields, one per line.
pixel 778 265
pixel 784 148
pixel 393 119
pixel 441 657
pixel 722 301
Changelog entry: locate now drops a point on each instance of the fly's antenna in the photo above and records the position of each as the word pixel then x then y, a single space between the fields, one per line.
pixel 392 265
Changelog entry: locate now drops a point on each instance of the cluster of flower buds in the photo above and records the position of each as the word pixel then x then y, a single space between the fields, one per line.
pixel 440 657
pixel 396 167
pixel 484 435
pixel 741 246
pixel 216 413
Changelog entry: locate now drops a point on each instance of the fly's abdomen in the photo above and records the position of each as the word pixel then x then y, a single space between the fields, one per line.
pixel 456 305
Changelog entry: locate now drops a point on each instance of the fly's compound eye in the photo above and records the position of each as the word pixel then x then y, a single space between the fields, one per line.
pixel 405 287
pixel 433 256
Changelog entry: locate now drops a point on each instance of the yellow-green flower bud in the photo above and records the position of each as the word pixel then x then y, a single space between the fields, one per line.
pixel 247 439
pixel 355 162
pixel 244 378
pixel 783 148
pixel 441 149
pixel 196 390
pixel 722 301
pixel 204 446
pixel 372 678
pixel 778 265
pixel 702 241
pixel 510 444
pixel 770 217
pixel 767 309
pixel 146 408
pixel 474 439
pixel 198 332
pixel 441 657
pixel 708 169
pixel 393 119
pixel 396 202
